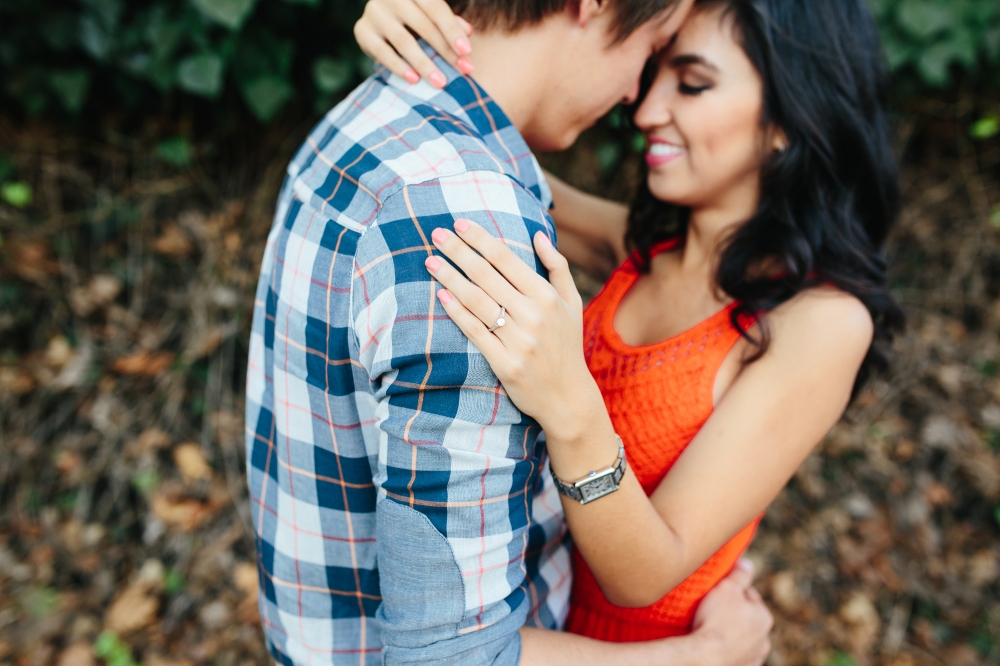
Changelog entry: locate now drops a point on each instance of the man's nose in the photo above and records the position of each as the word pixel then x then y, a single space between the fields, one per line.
pixel 632 95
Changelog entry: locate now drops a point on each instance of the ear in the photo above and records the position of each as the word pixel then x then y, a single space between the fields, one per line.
pixel 588 10
pixel 779 140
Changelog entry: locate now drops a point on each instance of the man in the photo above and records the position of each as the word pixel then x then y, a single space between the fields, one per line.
pixel 403 508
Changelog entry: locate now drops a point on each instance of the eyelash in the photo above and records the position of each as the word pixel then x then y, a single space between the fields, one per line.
pixel 691 90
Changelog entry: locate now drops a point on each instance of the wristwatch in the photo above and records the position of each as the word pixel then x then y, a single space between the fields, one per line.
pixel 595 485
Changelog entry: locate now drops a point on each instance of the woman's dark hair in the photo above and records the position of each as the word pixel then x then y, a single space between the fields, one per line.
pixel 828 201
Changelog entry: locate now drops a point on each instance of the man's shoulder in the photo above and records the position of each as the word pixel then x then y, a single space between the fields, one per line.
pixel 379 140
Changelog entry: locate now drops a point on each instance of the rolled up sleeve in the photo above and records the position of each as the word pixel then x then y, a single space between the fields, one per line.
pixel 458 463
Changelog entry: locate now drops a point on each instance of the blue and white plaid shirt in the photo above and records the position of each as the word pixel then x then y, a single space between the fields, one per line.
pixel 403 512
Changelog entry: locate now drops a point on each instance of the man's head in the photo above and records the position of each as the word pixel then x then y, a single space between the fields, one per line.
pixel 588 55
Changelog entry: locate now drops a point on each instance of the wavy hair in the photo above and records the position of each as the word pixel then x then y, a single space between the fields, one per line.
pixel 827 202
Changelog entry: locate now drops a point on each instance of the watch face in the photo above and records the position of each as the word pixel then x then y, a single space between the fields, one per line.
pixel 597 488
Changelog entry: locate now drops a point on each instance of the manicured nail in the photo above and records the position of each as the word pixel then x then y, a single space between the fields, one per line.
pixel 461 226
pixel 412 77
pixel 437 80
pixel 543 239
pixel 444 296
pixel 439 236
pixel 465 65
pixel 463 46
pixel 432 264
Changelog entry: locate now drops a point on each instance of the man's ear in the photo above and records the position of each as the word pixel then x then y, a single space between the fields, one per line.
pixel 588 10
pixel 779 140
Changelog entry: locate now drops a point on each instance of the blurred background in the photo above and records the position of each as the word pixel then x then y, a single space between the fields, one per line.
pixel 142 145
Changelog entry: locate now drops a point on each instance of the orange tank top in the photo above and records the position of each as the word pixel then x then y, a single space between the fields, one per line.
pixel 659 396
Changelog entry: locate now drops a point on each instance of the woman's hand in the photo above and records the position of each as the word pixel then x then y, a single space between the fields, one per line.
pixel 538 351
pixel 382 34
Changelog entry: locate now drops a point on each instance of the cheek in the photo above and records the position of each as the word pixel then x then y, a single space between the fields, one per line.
pixel 724 141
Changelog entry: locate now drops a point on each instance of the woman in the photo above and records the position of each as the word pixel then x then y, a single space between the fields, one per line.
pixel 752 305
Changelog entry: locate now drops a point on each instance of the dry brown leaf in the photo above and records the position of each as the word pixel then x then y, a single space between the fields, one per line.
pixel 152 439
pixel 100 291
pixel 143 363
pixel 191 463
pixel 245 578
pixel 58 352
pixel 784 592
pixel 14 381
pixel 184 513
pixel 133 609
pixel 173 242
pixel 863 621
pixel 32 262
pixel 78 654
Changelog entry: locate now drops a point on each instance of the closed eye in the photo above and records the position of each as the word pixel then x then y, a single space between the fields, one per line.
pixel 692 90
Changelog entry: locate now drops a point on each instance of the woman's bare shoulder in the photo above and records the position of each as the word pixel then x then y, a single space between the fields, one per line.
pixel 824 318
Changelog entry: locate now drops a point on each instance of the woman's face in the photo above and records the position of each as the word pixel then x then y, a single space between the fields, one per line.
pixel 702 119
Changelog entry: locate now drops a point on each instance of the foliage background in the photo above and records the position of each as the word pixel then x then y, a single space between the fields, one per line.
pixel 141 148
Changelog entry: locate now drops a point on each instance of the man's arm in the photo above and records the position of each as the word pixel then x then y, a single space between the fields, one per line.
pixel 459 550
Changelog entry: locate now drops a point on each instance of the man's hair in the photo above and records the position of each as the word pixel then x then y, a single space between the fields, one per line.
pixel 514 14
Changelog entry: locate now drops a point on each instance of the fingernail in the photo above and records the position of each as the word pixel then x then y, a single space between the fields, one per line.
pixel 412 77
pixel 461 226
pixel 439 235
pixel 432 264
pixel 465 66
pixel 444 296
pixel 463 46
pixel 745 565
pixel 543 239
pixel 437 80
pixel 465 24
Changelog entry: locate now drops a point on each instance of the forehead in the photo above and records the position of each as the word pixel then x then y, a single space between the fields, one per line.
pixel 709 33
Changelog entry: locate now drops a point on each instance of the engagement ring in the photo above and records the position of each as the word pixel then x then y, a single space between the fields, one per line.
pixel 500 320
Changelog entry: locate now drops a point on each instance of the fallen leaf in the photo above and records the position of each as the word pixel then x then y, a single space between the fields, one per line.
pixel 863 620
pixel 245 578
pixel 100 291
pixel 143 363
pixel 784 592
pixel 173 242
pixel 191 463
pixel 16 382
pixel 137 606
pixel 78 654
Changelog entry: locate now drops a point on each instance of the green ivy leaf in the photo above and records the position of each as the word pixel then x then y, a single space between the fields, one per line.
pixel 201 74
pixel 71 87
pixel 331 76
pixel 923 19
pixel 266 96
pixel 230 13
pixel 173 581
pixel 18 195
pixel 986 127
pixel 94 38
pixel 176 151
pixel 841 659
pixel 145 481
pixel 934 64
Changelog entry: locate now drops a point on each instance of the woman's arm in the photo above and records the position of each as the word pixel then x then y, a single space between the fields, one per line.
pixel 772 416
pixel 591 229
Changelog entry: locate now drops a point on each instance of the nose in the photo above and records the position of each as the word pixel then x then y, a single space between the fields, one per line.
pixel 654 111
pixel 632 95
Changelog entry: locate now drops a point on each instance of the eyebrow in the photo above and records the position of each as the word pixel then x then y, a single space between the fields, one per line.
pixel 692 59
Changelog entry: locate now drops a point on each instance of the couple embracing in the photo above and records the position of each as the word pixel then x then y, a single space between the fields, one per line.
pixel 416 330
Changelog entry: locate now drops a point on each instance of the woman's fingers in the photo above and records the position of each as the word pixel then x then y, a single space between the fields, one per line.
pixel 478 302
pixel 479 270
pixel 559 274
pixel 523 277
pixel 489 344
pixel 456 30
pixel 375 46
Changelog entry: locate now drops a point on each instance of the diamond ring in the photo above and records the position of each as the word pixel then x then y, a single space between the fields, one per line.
pixel 501 320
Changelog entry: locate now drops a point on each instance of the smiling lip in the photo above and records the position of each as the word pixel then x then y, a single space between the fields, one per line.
pixel 660 152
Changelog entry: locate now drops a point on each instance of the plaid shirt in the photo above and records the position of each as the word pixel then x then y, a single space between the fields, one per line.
pixel 403 510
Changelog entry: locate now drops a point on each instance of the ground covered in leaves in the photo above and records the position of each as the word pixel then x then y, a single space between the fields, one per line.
pixel 126 287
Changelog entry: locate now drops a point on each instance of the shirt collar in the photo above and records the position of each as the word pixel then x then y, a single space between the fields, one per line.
pixel 464 98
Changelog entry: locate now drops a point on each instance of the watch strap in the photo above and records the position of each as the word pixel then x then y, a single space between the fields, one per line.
pixel 575 491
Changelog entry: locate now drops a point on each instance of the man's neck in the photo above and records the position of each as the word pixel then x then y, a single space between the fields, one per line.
pixel 514 68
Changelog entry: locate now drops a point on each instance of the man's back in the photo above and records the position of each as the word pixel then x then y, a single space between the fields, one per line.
pixel 399 497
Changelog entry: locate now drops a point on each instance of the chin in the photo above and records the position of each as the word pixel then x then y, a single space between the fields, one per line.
pixel 667 194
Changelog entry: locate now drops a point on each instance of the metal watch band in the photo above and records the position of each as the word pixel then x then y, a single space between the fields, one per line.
pixel 596 484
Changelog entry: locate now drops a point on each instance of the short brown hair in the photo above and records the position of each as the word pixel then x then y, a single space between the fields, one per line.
pixel 514 14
